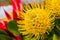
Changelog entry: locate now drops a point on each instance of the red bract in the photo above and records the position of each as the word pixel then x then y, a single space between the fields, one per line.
pixel 20 5
pixel 8 16
pixel 3 25
pixel 15 15
pixel 17 6
pixel 14 5
pixel 15 9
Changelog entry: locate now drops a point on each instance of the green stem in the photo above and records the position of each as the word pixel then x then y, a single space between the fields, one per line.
pixel 55 37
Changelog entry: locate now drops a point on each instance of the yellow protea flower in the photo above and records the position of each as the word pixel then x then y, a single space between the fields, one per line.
pixel 37 21
pixel 53 5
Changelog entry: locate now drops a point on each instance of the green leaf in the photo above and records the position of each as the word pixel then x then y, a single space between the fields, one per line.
pixel 4 35
pixel 57 31
pixel 55 37
pixel 12 27
pixel 6 2
pixel 50 36
pixel 57 26
pixel 57 21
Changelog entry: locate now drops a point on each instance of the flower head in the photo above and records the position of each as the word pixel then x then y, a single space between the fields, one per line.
pixel 37 21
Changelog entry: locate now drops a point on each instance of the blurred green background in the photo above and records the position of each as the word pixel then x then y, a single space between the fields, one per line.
pixel 6 2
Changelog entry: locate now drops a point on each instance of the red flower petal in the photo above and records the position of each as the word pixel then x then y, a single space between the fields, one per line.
pixel 15 16
pixel 8 16
pixel 14 5
pixel 15 9
pixel 6 22
pixel 20 5
pixel 3 25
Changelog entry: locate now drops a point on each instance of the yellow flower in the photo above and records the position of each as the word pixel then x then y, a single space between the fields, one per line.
pixel 53 5
pixel 36 21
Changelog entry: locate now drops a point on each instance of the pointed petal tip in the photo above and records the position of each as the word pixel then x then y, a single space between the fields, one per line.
pixel 15 14
pixel 19 4
pixel 7 15
pixel 3 25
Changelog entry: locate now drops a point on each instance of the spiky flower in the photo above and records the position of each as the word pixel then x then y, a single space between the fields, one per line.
pixel 53 5
pixel 37 22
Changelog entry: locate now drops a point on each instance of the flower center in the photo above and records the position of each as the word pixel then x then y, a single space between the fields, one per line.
pixel 38 21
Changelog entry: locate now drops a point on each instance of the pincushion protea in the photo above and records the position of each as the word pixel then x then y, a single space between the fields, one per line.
pixel 37 22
